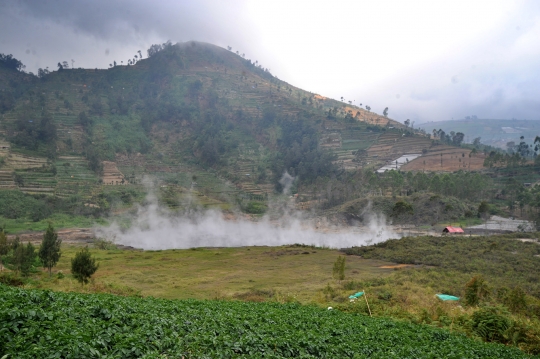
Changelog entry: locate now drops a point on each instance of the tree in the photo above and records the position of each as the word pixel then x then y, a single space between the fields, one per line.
pixel 458 138
pixel 49 252
pixel 402 209
pixel 22 257
pixel 10 62
pixel 407 122
pixel 42 73
pixel 339 268
pixel 4 247
pixel 483 211
pixel 60 67
pixel 368 108
pixel 83 266
pixel 154 49
pixel 385 112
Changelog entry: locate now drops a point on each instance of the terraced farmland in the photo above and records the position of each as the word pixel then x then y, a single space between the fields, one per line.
pixel 74 177
pixel 447 159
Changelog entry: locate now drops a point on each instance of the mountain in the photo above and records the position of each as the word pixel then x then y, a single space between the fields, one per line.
pixel 492 132
pixel 199 119
pixel 190 113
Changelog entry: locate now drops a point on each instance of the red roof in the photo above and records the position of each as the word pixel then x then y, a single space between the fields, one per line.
pixel 451 229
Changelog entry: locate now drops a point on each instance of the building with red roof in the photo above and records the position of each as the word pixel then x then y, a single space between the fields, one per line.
pixel 453 230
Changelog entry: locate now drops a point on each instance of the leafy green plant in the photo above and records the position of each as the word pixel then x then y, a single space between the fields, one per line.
pixel 59 324
pixel 490 324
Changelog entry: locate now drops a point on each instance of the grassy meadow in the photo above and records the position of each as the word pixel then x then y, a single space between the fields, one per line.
pixel 249 273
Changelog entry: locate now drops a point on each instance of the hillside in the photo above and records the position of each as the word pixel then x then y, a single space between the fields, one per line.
pixel 204 127
pixel 193 115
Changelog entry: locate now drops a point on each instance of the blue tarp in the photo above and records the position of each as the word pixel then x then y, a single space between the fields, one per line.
pixel 446 297
pixel 356 295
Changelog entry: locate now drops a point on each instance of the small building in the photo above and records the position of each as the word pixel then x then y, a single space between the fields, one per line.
pixel 453 230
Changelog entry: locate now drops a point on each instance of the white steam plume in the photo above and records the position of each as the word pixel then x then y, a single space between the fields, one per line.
pixel 286 181
pixel 156 228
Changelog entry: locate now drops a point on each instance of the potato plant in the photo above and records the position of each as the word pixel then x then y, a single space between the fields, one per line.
pixel 45 324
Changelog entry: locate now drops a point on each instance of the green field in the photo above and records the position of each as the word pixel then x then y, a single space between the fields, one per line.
pixel 43 324
pixel 504 265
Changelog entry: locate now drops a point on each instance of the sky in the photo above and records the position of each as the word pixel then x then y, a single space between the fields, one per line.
pixel 426 60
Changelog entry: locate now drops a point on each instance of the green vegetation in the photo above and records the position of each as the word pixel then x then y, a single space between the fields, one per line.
pixel 49 251
pixel 83 266
pixel 20 258
pixel 196 110
pixel 494 275
pixel 338 271
pixel 4 248
pixel 18 225
pixel 503 259
pixel 37 324
pixel 21 206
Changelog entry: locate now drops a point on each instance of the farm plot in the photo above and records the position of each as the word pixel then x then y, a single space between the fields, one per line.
pixel 74 177
pixel 37 182
pixel 40 324
pixel 447 159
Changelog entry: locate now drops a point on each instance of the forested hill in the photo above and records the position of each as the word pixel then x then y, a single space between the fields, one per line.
pixel 185 108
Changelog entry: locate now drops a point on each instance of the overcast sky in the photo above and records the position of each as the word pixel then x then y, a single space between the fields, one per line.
pixel 425 60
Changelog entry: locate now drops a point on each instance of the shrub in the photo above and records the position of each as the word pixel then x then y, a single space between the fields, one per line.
pixel 490 324
pixel 338 271
pixel 475 290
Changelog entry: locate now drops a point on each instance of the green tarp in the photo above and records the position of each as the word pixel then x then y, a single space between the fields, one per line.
pixel 356 295
pixel 446 297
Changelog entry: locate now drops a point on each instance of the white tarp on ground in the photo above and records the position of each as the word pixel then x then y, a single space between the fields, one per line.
pixel 506 224
pixel 396 164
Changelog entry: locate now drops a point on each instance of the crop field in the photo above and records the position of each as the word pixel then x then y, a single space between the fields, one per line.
pixel 447 159
pixel 43 324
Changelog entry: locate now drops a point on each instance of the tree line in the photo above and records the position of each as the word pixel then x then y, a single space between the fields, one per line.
pixel 24 259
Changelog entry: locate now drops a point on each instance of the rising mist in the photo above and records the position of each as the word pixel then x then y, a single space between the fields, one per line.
pixel 154 227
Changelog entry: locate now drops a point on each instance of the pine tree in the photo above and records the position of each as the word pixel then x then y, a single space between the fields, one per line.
pixel 83 266
pixel 49 252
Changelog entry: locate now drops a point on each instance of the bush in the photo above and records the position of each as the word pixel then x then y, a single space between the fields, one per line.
pixel 490 324
pixel 339 268
pixel 475 290
pixel 255 208
pixel 11 279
